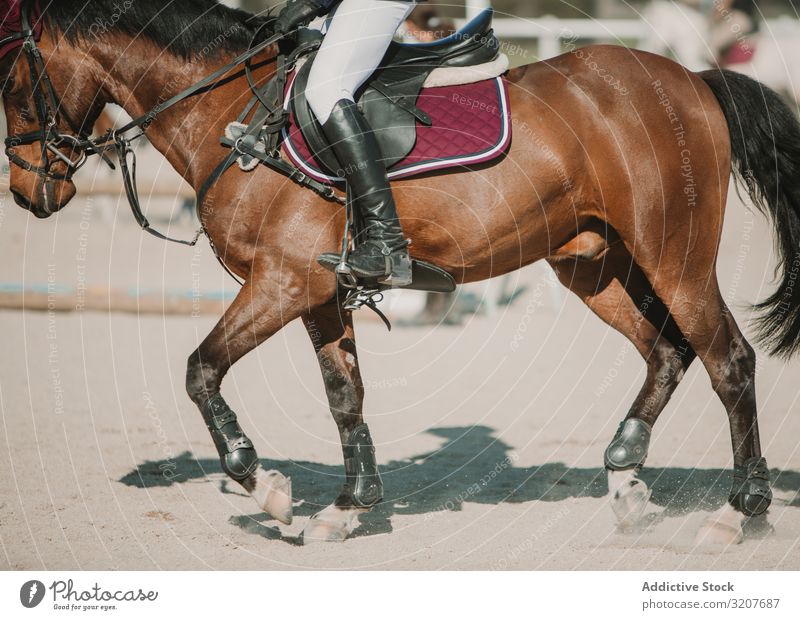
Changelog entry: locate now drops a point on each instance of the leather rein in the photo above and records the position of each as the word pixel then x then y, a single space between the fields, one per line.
pixel 51 139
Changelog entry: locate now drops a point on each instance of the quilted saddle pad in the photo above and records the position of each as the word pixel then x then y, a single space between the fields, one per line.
pixel 471 124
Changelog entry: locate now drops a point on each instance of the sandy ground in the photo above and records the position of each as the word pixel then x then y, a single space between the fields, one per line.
pixel 105 463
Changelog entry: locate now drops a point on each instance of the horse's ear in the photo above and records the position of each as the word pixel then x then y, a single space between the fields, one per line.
pixel 11 24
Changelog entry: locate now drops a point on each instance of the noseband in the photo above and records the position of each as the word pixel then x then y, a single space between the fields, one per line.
pixel 48 110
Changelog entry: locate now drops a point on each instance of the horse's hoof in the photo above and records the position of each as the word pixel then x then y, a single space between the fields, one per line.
pixel 629 498
pixel 724 527
pixel 272 491
pixel 333 524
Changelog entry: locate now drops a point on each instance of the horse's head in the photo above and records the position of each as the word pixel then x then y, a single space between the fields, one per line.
pixel 40 181
pixel 44 144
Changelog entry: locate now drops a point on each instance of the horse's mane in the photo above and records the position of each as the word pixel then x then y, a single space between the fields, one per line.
pixel 185 28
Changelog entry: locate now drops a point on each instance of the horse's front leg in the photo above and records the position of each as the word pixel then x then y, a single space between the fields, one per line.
pixel 255 315
pixel 331 333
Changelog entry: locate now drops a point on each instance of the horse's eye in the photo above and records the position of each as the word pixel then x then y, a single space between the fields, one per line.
pixel 11 85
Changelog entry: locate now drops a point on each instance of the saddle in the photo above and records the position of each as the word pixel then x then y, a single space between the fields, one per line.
pixel 389 102
pixel 388 99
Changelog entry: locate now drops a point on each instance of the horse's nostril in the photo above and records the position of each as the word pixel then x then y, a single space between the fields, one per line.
pixel 23 201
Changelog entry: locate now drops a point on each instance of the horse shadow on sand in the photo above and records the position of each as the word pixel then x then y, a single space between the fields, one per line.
pixel 471 466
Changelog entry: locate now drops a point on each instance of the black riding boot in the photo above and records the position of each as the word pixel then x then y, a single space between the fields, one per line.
pixel 381 251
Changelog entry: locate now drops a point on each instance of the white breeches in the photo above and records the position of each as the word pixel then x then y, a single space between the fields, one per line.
pixel 358 35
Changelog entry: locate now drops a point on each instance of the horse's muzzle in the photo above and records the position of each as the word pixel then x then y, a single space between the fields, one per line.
pixel 26 203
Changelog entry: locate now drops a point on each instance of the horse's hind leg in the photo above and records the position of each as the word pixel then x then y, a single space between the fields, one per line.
pixel 252 318
pixel 331 333
pixel 692 293
pixel 731 364
pixel 617 291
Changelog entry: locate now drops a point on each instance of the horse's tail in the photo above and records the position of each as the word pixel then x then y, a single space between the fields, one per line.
pixel 765 145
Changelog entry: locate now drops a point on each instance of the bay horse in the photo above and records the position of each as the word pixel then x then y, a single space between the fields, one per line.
pixel 617 175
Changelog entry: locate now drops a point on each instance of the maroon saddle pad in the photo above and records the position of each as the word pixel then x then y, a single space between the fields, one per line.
pixel 470 124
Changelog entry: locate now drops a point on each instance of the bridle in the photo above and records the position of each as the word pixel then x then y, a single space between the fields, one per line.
pixel 48 112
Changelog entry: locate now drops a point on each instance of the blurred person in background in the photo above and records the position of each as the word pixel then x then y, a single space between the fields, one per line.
pixel 425 25
pixel 678 30
pixel 770 55
pixel 701 34
pixel 734 23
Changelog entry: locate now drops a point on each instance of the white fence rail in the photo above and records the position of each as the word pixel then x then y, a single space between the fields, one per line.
pixel 549 31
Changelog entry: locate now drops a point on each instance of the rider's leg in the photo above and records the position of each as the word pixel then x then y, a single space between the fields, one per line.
pixel 357 38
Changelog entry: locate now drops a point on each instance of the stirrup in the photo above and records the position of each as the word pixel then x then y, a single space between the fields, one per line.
pixel 345 276
pixel 398 267
pixel 427 277
pixel 399 270
pixel 361 296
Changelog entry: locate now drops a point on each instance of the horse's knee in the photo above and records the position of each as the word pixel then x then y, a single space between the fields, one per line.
pixel 344 389
pixel 736 373
pixel 666 365
pixel 202 379
pixel 743 360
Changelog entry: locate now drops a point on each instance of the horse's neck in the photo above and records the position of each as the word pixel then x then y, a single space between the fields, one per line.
pixel 187 134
